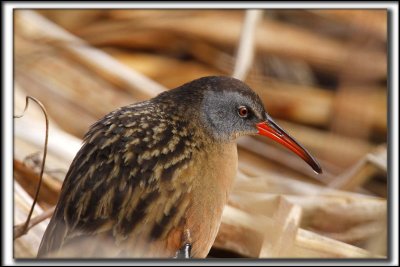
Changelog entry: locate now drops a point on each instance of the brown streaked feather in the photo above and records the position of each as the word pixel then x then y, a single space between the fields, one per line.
pixel 124 174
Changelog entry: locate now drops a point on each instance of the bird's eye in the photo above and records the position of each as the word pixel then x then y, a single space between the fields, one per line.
pixel 243 111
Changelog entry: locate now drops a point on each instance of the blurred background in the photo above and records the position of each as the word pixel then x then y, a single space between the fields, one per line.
pixel 322 74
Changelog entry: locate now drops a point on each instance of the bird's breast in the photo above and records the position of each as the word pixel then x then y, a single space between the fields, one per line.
pixel 215 173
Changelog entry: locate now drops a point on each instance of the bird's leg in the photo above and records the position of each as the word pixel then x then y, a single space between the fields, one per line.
pixel 184 252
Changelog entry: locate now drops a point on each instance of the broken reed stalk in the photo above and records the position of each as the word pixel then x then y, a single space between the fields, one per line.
pixel 258 236
pixel 373 163
pixel 18 231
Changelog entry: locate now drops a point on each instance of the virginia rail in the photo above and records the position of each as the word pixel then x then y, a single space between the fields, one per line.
pixel 152 178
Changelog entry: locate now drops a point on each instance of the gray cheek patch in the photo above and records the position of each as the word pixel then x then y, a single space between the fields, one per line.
pixel 219 114
pixel 220 118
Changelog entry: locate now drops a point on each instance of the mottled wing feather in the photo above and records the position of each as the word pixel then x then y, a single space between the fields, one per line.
pixel 123 181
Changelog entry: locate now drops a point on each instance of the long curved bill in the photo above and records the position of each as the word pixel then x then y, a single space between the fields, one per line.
pixel 271 129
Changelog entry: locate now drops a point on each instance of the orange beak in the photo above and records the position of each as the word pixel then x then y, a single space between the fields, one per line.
pixel 270 129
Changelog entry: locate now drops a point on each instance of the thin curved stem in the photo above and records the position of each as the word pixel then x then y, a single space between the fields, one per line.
pixel 26 225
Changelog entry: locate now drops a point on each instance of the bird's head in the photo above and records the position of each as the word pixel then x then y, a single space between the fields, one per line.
pixel 229 109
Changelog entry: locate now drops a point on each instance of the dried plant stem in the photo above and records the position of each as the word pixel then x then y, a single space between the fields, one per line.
pixel 25 227
pixel 103 63
pixel 245 52
pixel 21 229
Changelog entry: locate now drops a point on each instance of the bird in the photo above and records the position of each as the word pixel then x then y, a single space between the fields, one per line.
pixel 152 178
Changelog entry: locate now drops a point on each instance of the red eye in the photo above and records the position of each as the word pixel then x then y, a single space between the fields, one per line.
pixel 243 111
